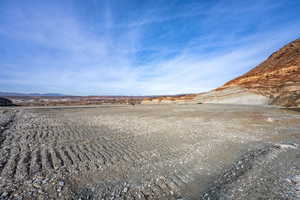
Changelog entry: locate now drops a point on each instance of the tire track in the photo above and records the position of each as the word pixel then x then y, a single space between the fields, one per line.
pixel 60 146
pixel 5 124
pixel 66 156
pixel 59 157
pixel 47 163
pixel 10 168
pixel 36 162
pixel 4 159
pixel 23 166
pixel 76 158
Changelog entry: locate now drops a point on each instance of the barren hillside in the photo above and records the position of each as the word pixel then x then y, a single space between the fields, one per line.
pixel 274 81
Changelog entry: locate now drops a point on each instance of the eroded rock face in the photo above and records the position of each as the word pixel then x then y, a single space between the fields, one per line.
pixel 275 81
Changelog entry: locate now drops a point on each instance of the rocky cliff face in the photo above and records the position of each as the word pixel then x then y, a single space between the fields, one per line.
pixel 275 81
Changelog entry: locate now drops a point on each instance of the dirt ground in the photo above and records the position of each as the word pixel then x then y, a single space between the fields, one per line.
pixel 185 152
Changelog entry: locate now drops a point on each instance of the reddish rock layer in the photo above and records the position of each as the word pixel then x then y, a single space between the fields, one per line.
pixel 277 78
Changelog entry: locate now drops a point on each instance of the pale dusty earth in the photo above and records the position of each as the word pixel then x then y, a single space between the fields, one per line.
pixel 186 152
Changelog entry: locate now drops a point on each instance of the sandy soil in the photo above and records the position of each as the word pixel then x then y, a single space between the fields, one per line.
pixel 203 151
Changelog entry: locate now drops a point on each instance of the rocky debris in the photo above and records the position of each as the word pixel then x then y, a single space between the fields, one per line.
pixel 296 181
pixel 36 187
pixel 166 152
pixel 6 119
pixel 259 175
pixel 4 196
pixel 275 81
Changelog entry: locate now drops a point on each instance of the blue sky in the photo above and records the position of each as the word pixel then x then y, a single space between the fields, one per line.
pixel 137 47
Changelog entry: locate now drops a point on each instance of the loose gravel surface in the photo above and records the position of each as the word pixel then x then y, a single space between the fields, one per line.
pixel 181 152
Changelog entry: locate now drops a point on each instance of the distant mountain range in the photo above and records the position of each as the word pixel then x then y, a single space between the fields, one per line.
pixel 7 94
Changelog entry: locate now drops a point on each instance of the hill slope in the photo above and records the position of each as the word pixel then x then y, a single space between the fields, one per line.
pixel 274 81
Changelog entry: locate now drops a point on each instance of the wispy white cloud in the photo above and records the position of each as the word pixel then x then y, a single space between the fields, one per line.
pixel 111 56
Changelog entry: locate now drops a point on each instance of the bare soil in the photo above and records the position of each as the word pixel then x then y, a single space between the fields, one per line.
pixel 202 151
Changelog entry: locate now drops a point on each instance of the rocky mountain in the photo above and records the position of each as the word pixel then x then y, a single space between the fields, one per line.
pixel 275 81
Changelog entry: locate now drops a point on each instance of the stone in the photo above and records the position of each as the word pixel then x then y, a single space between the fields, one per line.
pixel 296 179
pixel 4 194
pixel 61 183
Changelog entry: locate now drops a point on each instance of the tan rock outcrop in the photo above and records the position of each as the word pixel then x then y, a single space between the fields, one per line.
pixel 186 98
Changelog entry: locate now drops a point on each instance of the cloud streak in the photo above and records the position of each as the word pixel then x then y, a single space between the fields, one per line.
pixel 103 48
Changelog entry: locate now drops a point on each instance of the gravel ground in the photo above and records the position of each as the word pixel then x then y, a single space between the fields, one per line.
pixel 186 152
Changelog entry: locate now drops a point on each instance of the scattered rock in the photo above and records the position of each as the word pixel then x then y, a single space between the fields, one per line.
pixel 296 179
pixel 4 194
pixel 61 183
